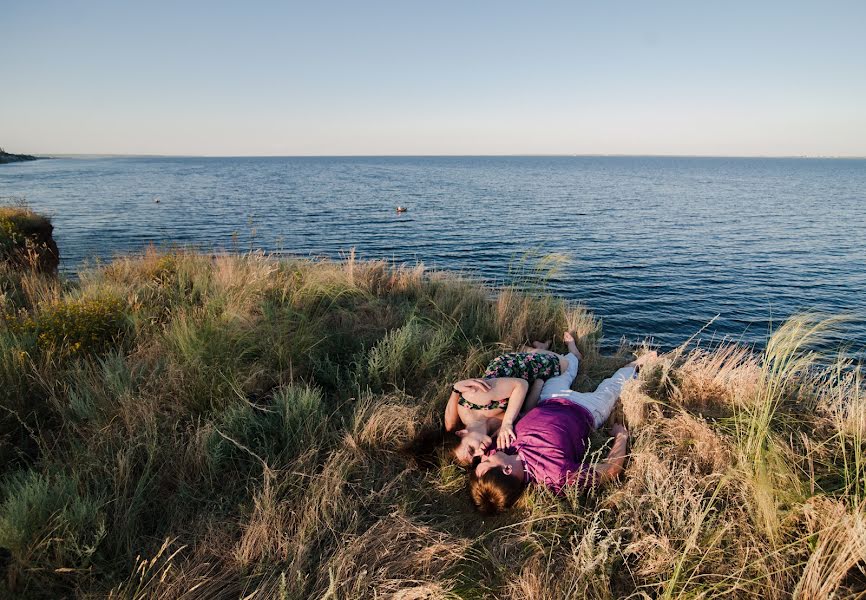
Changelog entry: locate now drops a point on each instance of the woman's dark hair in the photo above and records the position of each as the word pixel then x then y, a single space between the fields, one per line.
pixel 431 445
pixel 494 492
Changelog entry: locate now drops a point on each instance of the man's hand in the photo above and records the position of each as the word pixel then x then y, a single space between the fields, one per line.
pixel 506 435
pixel 472 385
pixel 618 429
pixel 611 467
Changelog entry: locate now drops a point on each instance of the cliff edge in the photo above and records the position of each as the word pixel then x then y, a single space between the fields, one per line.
pixel 26 240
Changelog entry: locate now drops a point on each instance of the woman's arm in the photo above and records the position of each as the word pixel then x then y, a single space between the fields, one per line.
pixel 472 385
pixel 452 418
pixel 516 396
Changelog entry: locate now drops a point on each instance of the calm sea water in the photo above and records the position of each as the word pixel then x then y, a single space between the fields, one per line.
pixel 657 246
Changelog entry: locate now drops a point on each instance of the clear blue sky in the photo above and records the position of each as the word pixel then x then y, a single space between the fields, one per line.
pixel 407 77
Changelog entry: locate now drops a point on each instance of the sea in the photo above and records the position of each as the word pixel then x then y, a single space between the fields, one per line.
pixel 661 248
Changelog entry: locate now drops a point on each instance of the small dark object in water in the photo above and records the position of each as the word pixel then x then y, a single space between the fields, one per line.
pixel 401 209
pixel 156 200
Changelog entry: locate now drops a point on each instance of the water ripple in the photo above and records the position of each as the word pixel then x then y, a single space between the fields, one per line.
pixel 657 246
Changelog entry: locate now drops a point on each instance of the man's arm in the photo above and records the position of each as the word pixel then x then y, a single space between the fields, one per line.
pixel 611 467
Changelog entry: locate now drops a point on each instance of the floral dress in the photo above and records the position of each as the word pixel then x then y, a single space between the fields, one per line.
pixel 524 365
pixel 520 365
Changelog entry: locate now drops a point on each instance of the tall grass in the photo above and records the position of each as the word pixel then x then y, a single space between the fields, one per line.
pixel 786 363
pixel 237 431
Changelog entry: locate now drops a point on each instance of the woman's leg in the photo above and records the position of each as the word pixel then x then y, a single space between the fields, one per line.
pixel 539 345
pixel 529 350
pixel 542 348
pixel 532 396
pixel 561 384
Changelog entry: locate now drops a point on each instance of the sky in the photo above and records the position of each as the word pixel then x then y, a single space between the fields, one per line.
pixel 428 78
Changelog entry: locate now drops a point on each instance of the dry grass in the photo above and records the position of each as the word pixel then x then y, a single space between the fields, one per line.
pixel 242 439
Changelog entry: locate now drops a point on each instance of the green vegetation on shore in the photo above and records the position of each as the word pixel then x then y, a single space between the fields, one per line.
pixel 186 426
pixel 6 157
pixel 26 239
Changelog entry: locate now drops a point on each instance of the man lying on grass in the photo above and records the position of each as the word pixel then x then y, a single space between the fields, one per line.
pixel 551 442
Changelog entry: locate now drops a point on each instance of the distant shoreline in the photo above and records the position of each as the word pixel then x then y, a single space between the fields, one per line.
pixel 6 157
pixel 708 156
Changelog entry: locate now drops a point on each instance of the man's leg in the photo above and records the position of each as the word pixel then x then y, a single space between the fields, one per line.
pixel 601 402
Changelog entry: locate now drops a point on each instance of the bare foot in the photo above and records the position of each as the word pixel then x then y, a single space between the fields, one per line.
pixel 645 358
pixel 572 347
pixel 541 345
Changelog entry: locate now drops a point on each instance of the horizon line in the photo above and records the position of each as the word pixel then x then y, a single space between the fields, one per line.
pixel 510 155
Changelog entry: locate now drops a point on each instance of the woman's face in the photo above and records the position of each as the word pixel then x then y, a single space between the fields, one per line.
pixel 472 443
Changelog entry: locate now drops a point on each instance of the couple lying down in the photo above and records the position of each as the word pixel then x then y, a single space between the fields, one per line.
pixel 547 445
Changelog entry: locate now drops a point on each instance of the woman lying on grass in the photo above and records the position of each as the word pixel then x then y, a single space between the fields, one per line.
pixel 478 408
pixel 551 440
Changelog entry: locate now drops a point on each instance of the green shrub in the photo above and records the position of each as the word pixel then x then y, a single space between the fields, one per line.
pixel 72 327
pixel 21 399
pixel 247 434
pixel 15 351
pixel 467 305
pixel 158 285
pixel 95 388
pixel 285 339
pixel 49 529
pixel 207 357
pixel 408 354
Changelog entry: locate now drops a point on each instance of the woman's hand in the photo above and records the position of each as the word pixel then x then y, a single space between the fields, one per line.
pixel 472 385
pixel 506 435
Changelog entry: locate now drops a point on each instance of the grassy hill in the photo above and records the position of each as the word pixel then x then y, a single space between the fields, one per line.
pixel 185 426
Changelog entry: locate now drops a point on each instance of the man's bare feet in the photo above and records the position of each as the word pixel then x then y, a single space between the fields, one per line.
pixel 541 345
pixel 645 358
pixel 572 347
